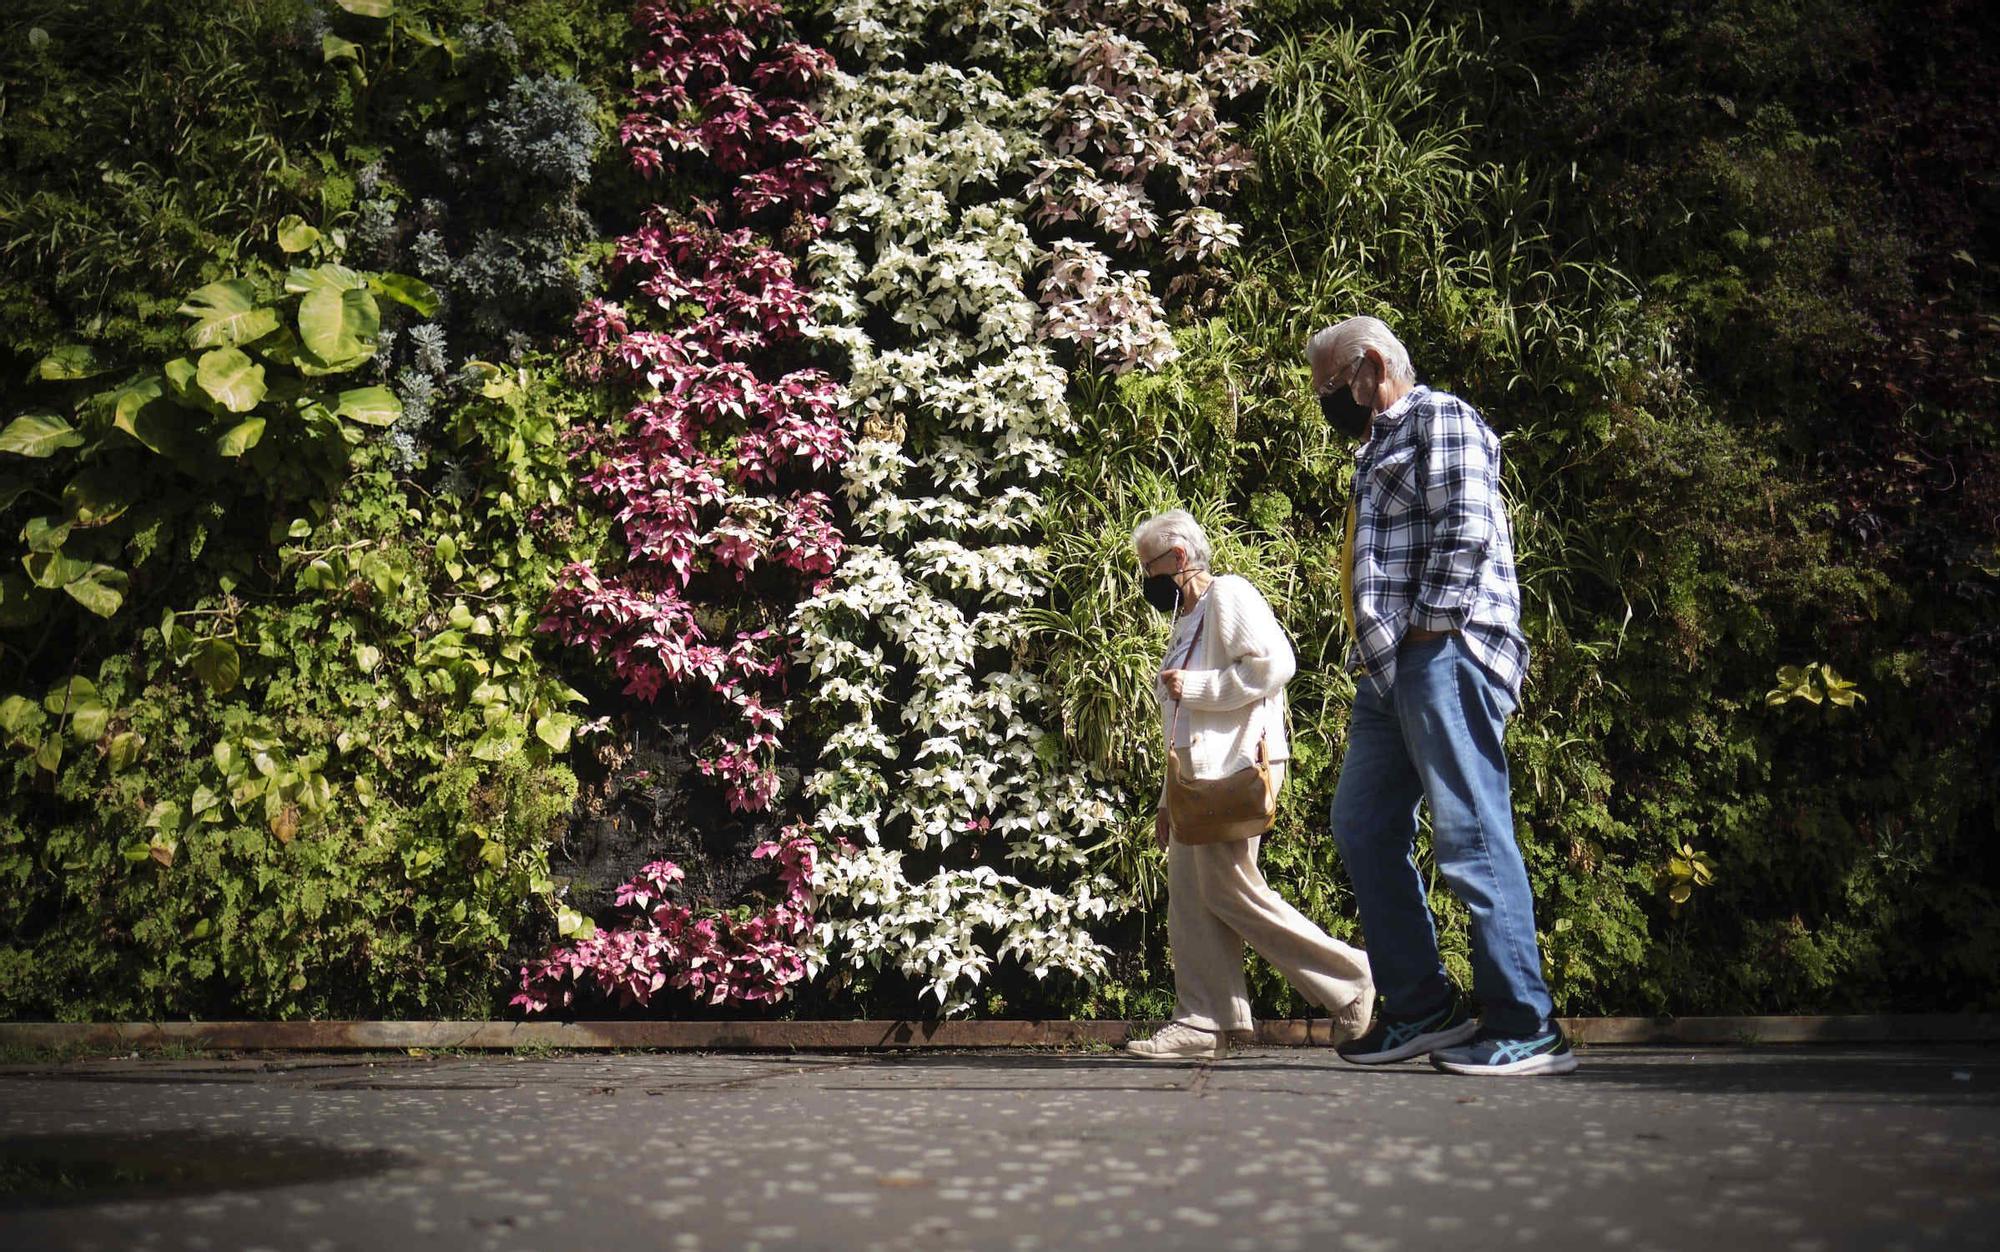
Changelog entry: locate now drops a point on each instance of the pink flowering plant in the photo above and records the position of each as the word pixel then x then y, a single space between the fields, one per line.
pixel 715 476
pixel 753 955
pixel 709 477
pixel 724 84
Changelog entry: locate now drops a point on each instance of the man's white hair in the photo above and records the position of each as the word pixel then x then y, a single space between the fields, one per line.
pixel 1345 343
pixel 1173 528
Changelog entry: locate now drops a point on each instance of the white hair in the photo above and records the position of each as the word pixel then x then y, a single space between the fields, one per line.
pixel 1175 528
pixel 1345 343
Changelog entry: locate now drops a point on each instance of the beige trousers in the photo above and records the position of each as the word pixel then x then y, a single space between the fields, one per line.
pixel 1217 901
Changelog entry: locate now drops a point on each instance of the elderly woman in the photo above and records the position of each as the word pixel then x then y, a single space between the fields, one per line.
pixel 1224 674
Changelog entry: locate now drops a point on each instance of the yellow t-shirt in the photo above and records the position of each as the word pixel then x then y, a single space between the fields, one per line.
pixel 1347 568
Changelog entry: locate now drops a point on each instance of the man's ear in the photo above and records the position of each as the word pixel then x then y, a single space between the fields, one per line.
pixel 1379 371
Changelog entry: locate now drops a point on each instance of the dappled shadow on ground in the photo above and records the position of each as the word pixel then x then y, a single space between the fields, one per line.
pixel 59 1170
pixel 1958 1076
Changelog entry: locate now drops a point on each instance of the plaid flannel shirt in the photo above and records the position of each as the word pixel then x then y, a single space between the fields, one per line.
pixel 1432 547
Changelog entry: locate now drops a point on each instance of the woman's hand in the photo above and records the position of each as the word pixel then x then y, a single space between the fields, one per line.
pixel 1172 678
pixel 1162 829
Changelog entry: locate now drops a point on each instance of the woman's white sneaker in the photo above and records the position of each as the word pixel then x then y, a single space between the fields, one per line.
pixel 1177 1041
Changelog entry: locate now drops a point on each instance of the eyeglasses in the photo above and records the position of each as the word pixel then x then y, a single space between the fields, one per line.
pixel 1337 385
pixel 1344 381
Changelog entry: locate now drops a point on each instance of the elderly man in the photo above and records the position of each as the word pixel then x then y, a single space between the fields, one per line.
pixel 1434 613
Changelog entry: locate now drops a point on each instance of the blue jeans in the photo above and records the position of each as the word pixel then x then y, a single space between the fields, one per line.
pixel 1439 737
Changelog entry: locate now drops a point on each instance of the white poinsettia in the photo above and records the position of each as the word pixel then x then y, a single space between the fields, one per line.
pixel 965 836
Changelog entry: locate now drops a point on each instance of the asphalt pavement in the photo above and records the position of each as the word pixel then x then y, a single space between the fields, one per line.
pixel 1800 1148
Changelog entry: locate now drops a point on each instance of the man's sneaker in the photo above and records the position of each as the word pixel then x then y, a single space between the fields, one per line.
pixel 1397 1037
pixel 1545 1052
pixel 1177 1041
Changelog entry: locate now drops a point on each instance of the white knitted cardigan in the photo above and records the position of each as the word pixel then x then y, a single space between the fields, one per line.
pixel 1234 690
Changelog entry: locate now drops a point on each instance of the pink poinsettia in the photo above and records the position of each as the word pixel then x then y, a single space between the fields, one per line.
pixel 707 477
pixel 715 958
pixel 722 84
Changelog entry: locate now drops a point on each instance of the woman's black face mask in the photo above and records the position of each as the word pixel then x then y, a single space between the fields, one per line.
pixel 1344 413
pixel 1162 592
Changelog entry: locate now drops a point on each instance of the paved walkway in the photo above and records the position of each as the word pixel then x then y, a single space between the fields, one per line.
pixel 1272 1149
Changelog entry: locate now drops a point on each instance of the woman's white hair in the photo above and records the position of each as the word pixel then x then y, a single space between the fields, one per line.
pixel 1345 343
pixel 1171 529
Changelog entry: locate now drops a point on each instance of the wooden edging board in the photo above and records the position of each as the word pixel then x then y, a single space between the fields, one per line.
pixel 321 1036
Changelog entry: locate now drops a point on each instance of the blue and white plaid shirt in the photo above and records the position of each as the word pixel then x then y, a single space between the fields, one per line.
pixel 1432 547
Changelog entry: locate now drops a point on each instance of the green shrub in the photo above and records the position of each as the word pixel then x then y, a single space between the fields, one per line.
pixel 352 813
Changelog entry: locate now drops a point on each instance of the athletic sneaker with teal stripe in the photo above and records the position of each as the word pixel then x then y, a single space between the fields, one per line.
pixel 1545 1052
pixel 1398 1037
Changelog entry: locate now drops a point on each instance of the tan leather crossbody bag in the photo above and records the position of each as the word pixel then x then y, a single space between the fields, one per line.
pixel 1217 810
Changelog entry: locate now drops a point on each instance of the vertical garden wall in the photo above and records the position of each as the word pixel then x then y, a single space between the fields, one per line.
pixel 586 508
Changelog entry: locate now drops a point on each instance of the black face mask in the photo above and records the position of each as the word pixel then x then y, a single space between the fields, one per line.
pixel 1162 592
pixel 1344 413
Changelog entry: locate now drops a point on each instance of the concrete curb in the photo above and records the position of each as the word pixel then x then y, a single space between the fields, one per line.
pixel 785 1036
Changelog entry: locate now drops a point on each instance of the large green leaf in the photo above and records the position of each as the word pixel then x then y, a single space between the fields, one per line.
pixel 282 347
pixel 423 34
pixel 135 393
pixel 137 409
pixel 227 313
pixel 553 729
pixel 231 379
pixel 101 589
pixel 53 569
pixel 45 534
pixel 339 325
pixel 403 289
pixel 88 721
pixel 157 426
pixel 299 280
pixel 227 298
pixel 65 696
pixel 240 438
pixel 371 406
pixel 124 750
pixel 368 8
pixel 333 48
pixel 312 367
pixel 180 374
pixel 39 434
pixel 218 664
pixel 18 713
pixel 250 326
pixel 294 235
pixel 72 360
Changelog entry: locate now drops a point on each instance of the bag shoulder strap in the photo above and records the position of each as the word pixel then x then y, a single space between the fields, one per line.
pixel 1193 642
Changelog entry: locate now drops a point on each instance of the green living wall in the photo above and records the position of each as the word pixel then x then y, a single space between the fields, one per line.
pixel 581 508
